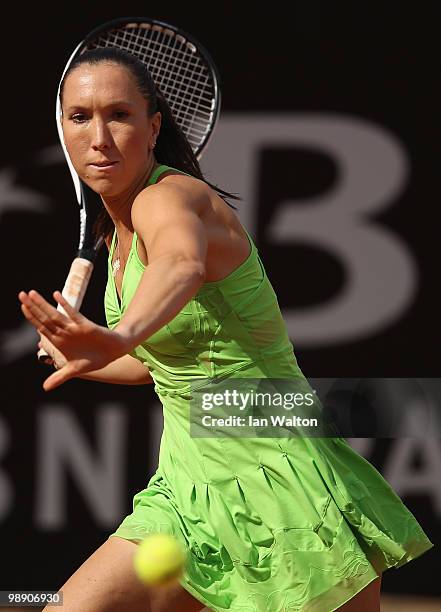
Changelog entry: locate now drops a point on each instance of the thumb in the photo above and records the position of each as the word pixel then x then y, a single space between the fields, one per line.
pixel 59 377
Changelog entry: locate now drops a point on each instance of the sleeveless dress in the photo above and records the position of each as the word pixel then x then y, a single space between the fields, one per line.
pixel 270 524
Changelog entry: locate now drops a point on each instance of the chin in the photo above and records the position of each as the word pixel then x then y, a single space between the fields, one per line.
pixel 102 187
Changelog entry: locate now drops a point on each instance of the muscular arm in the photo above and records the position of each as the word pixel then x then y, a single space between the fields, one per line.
pixel 171 227
pixel 169 223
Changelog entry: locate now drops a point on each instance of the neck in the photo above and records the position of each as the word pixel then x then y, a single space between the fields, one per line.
pixel 119 207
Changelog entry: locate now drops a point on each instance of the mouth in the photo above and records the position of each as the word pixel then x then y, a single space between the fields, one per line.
pixel 103 165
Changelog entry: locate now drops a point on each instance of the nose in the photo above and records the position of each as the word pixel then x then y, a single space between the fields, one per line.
pixel 101 136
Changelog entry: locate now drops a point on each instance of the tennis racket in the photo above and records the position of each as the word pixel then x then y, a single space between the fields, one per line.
pixel 188 79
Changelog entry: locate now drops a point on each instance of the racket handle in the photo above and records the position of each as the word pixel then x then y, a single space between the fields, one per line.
pixel 73 291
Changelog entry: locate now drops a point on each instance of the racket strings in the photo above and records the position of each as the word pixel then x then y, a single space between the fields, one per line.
pixel 194 82
pixel 167 74
pixel 178 99
pixel 182 77
pixel 170 65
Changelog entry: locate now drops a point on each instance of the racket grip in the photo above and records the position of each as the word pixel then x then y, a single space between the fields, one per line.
pixel 73 292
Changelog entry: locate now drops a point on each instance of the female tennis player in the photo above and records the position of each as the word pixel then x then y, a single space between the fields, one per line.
pixel 271 524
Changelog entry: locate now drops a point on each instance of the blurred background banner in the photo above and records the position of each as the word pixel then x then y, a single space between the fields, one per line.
pixel 329 131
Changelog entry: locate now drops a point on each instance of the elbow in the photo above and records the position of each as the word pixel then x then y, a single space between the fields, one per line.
pixel 193 272
pixel 198 273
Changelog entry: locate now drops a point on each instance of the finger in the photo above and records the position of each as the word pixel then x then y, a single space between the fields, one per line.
pixel 37 314
pixel 28 298
pixel 73 314
pixel 29 316
pixel 40 327
pixel 53 337
pixel 59 377
pixel 36 322
pixel 47 308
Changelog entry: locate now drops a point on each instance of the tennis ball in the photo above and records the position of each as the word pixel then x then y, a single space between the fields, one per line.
pixel 159 559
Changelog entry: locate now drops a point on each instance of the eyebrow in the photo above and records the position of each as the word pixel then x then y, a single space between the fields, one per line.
pixel 77 107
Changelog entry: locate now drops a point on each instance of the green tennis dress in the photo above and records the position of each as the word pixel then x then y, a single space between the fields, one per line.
pixel 270 524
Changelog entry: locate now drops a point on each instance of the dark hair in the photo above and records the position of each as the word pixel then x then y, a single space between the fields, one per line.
pixel 172 147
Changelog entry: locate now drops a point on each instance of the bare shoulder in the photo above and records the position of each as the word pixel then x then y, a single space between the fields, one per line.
pixel 171 194
pixel 186 211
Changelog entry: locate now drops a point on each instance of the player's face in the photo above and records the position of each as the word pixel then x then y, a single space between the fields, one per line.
pixel 106 127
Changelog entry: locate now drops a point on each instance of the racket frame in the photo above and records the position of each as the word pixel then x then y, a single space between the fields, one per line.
pixel 82 266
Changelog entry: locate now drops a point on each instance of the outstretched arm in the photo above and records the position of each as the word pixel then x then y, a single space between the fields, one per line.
pixel 169 223
pixel 174 236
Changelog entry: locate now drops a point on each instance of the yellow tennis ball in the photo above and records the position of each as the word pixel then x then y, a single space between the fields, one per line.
pixel 159 559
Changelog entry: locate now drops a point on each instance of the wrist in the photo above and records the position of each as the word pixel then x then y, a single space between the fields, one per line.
pixel 125 338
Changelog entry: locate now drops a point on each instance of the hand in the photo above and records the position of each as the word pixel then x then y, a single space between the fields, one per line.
pixel 85 345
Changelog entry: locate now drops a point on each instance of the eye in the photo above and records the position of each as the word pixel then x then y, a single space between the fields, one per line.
pixel 78 118
pixel 120 114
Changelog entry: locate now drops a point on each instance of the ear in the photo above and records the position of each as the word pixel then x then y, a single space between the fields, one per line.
pixel 156 123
